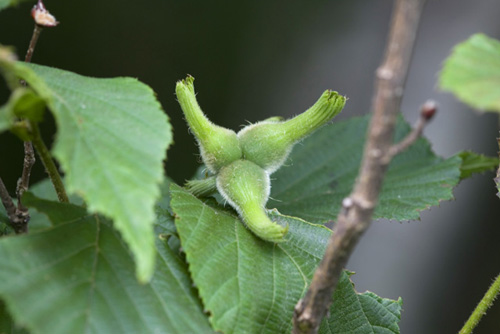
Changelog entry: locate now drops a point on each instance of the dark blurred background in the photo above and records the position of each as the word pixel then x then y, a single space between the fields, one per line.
pixel 255 59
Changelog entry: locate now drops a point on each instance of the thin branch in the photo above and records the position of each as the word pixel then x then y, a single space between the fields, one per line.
pixel 34 39
pixel 18 220
pixel 427 112
pixel 482 307
pixel 29 156
pixel 42 18
pixel 24 181
pixel 29 153
pixel 19 217
pixel 7 201
pixel 357 211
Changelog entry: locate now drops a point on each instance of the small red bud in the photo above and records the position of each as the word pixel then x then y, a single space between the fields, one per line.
pixel 428 110
pixel 42 16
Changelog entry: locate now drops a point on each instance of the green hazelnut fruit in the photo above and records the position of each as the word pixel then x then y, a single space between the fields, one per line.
pixel 268 143
pixel 218 146
pixel 246 186
pixel 241 163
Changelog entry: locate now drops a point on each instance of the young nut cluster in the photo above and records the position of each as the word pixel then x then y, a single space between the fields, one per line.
pixel 242 162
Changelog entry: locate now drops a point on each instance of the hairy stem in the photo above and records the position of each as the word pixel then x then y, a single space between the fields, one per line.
pixel 48 163
pixel 358 208
pixel 482 307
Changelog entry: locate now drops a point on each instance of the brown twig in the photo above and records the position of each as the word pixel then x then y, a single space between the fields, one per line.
pixel 29 153
pixel 39 13
pixel 34 39
pixel 19 217
pixel 23 182
pixel 43 18
pixel 357 211
pixel 7 201
pixel 427 112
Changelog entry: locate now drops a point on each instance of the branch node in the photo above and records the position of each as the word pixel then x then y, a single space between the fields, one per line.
pixel 18 219
pixel 363 203
pixel 376 153
pixel 385 73
pixel 347 203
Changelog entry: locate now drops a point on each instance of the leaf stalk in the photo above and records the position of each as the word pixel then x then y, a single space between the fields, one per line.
pixel 482 307
pixel 48 163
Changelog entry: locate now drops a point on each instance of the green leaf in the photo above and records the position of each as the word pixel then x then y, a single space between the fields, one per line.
pixel 4 4
pixel 472 73
pixel 361 313
pixel 473 163
pixel 6 118
pixel 24 103
pixel 7 325
pixel 3 217
pixel 78 277
pixel 322 169
pixel 8 3
pixel 111 142
pixel 45 190
pixel 251 286
pixel 165 226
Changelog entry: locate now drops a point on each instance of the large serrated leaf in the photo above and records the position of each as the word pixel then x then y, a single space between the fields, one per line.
pixel 78 277
pixel 322 169
pixel 361 313
pixel 251 286
pixel 111 142
pixel 472 73
pixel 473 163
